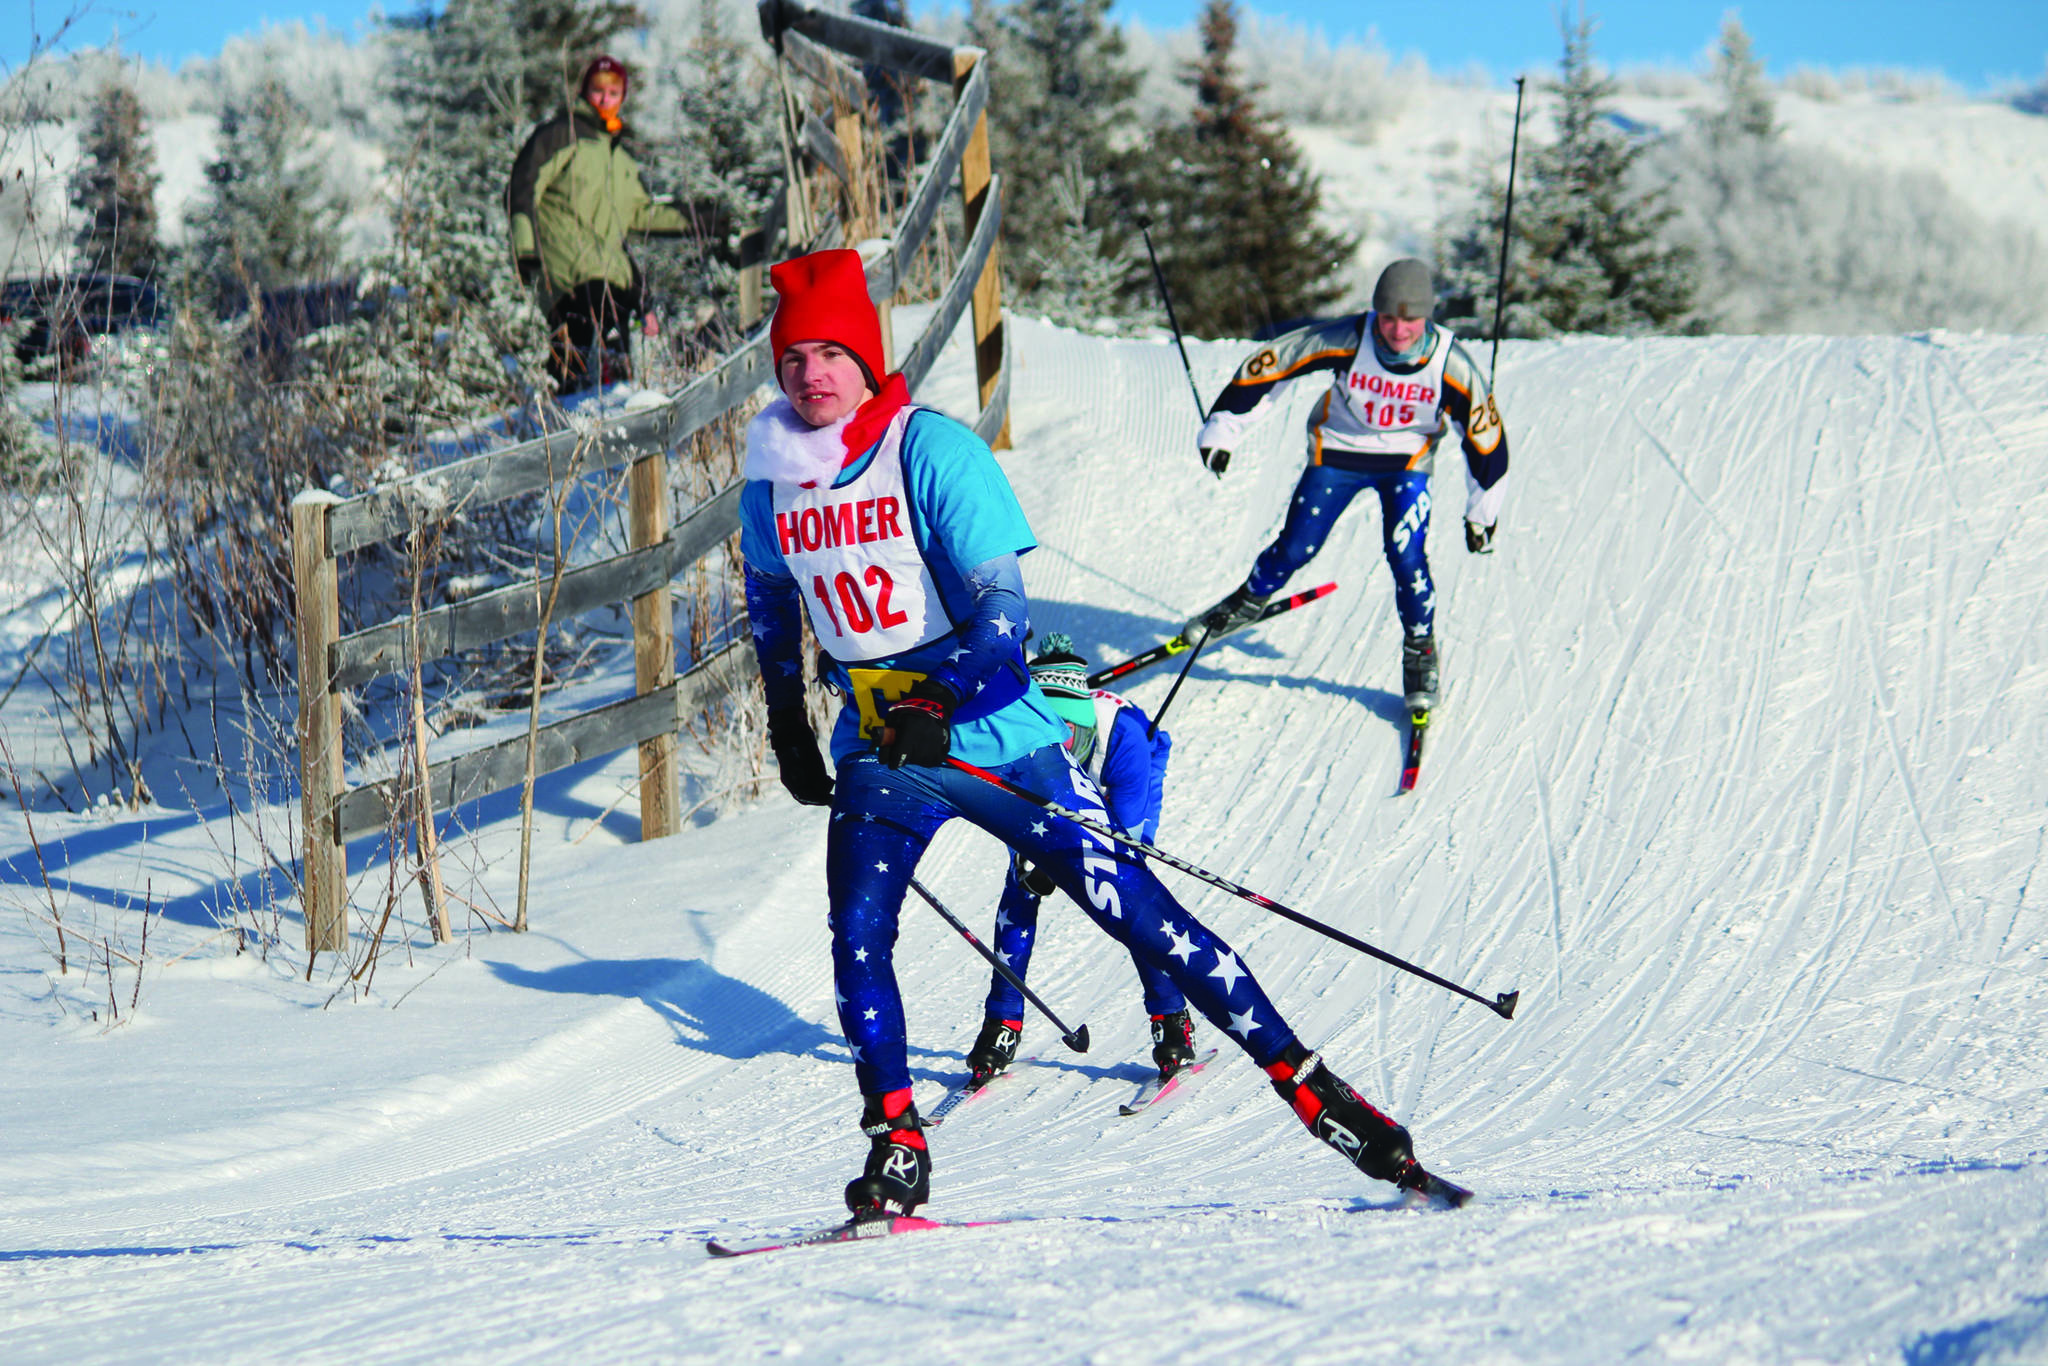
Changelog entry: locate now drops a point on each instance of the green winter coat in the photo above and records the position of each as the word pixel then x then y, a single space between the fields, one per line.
pixel 575 193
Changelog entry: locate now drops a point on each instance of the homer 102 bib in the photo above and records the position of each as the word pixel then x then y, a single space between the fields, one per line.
pixel 1392 414
pixel 865 583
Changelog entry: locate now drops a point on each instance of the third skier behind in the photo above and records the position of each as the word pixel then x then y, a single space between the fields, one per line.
pixel 1394 377
pixel 1115 743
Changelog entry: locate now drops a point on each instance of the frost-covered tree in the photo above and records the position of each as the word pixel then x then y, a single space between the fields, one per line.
pixel 1081 280
pixel 713 146
pixel 1590 249
pixel 1064 93
pixel 266 219
pixel 1236 207
pixel 115 186
pixel 1746 109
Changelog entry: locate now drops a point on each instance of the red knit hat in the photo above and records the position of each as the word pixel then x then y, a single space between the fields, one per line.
pixel 825 298
pixel 601 63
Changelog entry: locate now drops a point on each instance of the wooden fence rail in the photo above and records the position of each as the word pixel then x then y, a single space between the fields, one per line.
pixel 325 528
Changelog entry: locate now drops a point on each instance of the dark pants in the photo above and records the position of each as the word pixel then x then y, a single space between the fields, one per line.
pixel 589 326
pixel 1321 497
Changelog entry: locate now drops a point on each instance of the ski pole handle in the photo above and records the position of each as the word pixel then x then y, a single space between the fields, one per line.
pixel 1502 1005
pixel 1076 1039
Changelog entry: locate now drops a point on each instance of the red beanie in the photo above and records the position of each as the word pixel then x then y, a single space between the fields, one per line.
pixel 825 298
pixel 601 63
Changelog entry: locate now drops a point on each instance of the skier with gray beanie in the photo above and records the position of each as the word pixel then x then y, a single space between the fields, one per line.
pixel 1395 376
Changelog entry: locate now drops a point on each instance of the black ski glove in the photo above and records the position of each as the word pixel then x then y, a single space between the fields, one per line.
pixel 1478 539
pixel 1215 460
pixel 1036 880
pixel 918 730
pixel 796 753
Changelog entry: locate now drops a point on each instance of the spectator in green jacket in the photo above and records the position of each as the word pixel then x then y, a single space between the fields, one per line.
pixel 575 193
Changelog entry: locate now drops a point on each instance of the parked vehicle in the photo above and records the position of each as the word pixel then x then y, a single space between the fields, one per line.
pixel 72 316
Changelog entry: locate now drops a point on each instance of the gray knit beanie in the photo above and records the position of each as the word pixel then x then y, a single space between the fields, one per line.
pixel 1405 290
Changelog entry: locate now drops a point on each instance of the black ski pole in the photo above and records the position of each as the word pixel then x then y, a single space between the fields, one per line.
pixel 1076 1039
pixel 1507 219
pixel 1159 278
pixel 1181 678
pixel 1502 1005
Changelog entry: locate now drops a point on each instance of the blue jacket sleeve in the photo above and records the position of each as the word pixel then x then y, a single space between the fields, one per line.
pixel 993 632
pixel 1134 773
pixel 775 615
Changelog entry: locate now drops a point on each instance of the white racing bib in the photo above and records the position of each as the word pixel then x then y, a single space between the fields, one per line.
pixel 1386 413
pixel 851 550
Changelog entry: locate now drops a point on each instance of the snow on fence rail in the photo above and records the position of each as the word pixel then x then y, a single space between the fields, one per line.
pixel 326 527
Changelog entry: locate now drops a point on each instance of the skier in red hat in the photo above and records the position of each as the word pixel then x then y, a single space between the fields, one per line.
pixel 894 530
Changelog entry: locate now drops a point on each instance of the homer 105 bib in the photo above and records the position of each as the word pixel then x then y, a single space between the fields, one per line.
pixel 865 583
pixel 1392 414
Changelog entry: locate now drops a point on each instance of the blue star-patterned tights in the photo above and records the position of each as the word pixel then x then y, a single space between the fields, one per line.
pixel 883 818
pixel 1320 497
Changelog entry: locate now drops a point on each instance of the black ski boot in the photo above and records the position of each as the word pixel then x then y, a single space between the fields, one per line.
pixel 898 1177
pixel 994 1050
pixel 1234 612
pixel 1335 1113
pixel 1173 1041
pixel 1418 671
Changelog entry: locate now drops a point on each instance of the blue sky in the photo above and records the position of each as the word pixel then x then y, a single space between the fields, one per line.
pixel 1979 44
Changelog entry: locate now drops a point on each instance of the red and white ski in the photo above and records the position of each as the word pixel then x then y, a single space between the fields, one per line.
pixel 1156 1093
pixel 852 1231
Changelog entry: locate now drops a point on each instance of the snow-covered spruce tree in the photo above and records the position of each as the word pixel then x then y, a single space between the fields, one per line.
pixel 1082 280
pixel 266 220
pixel 1234 205
pixel 1746 108
pixel 1591 253
pixel 711 144
pixel 115 186
pixel 1063 93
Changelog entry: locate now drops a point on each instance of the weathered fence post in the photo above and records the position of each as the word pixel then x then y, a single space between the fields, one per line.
pixel 988 290
pixel 318 592
pixel 654 650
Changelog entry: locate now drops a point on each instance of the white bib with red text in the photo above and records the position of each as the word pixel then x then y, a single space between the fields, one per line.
pixel 851 550
pixel 1389 413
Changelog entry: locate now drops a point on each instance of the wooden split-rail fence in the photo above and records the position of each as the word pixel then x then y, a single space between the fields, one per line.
pixel 325 528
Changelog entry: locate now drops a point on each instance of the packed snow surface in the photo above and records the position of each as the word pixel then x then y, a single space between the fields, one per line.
pixel 1739 778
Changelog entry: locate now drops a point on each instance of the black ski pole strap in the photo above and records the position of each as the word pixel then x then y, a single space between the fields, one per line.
pixel 1502 1005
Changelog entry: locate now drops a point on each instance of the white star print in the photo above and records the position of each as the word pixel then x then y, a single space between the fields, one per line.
pixel 837 997
pixel 861 956
pixel 1006 959
pixel 856 1051
pixel 868 1014
pixel 1314 510
pixel 956 655
pixel 1243 1025
pixel 1183 945
pixel 1003 624
pixel 1038 827
pixel 792 666
pixel 1229 969
pixel 881 867
pixel 1003 921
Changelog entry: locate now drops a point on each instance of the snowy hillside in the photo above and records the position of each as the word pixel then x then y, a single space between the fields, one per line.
pixel 1739 780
